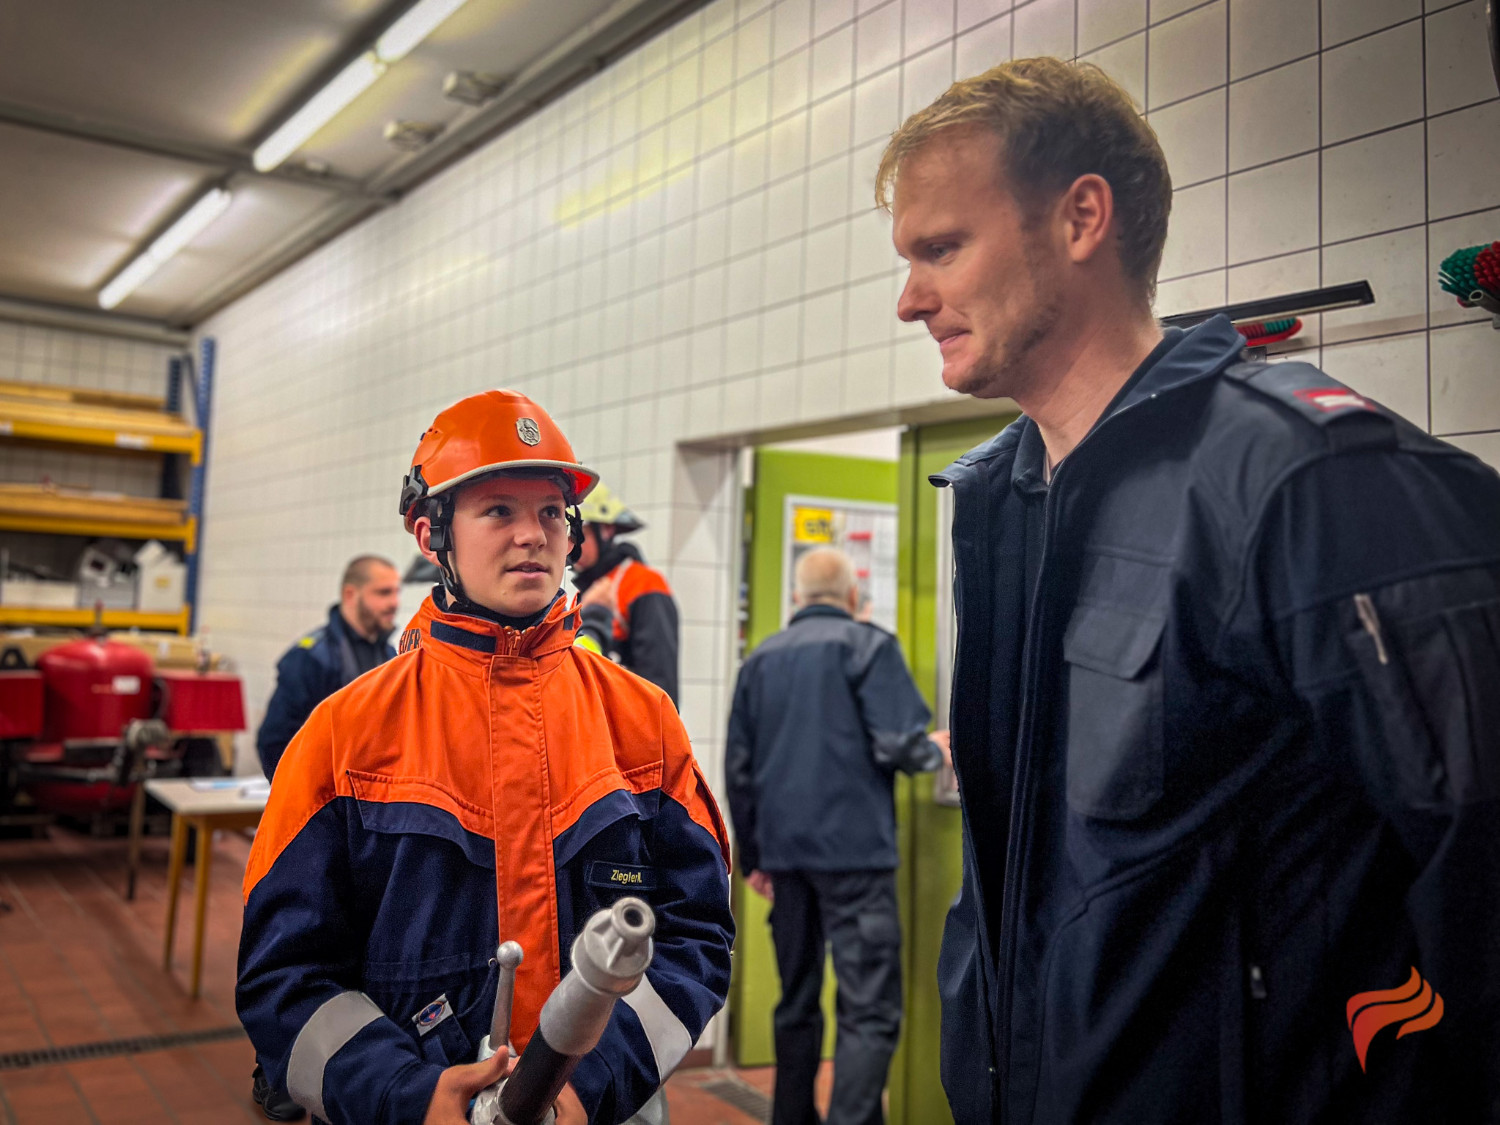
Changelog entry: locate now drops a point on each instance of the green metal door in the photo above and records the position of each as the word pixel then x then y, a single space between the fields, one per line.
pixel 779 474
pixel 932 865
pixel 928 833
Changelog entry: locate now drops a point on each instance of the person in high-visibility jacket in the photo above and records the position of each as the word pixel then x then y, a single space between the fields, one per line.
pixel 494 781
pixel 627 609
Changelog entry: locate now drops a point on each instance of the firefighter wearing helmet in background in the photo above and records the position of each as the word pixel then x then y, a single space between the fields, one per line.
pixel 495 781
pixel 629 613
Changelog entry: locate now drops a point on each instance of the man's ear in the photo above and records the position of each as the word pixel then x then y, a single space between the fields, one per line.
pixel 422 528
pixel 1087 212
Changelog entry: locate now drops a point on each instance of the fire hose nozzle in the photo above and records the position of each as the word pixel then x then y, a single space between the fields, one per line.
pixel 610 956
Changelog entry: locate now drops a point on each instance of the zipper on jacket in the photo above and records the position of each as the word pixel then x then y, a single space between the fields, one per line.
pixel 1257 983
pixel 1365 607
pixel 1021 799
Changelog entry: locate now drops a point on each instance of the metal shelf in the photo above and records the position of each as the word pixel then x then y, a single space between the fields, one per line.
pixel 21 615
pixel 23 420
pixel 185 533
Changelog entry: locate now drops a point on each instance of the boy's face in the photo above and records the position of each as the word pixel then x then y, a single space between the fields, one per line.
pixel 510 543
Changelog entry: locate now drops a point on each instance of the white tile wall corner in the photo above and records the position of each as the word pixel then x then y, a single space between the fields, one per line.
pixel 1105 21
pixel 33 354
pixel 1346 19
pixel 1189 54
pixel 1273 115
pixel 1273 210
pixel 683 250
pixel 1374 184
pixel 1373 83
pixel 1264 34
pixel 1458 60
pixel 1193 137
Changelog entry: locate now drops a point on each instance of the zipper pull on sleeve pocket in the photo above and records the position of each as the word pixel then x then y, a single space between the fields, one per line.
pixel 1365 607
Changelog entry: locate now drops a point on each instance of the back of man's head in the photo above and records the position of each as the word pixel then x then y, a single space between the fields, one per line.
pixel 825 576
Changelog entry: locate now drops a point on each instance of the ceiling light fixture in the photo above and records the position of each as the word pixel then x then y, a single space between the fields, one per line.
pixel 317 111
pixel 194 222
pixel 414 25
pixel 395 43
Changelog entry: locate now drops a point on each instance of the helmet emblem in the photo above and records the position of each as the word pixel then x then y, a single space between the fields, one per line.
pixel 528 431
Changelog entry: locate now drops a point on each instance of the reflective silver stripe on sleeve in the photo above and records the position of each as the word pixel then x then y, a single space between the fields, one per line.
pixel 331 1026
pixel 669 1039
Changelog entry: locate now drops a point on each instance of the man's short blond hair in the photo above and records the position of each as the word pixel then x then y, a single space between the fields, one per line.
pixel 1056 121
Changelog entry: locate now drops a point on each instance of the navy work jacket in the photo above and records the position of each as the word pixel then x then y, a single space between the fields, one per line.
pixel 1234 768
pixel 320 663
pixel 825 713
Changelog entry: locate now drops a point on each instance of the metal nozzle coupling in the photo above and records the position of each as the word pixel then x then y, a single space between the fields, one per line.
pixel 509 957
pixel 615 947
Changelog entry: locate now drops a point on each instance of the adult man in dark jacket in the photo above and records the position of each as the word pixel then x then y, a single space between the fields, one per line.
pixel 1225 715
pixel 628 611
pixel 355 639
pixel 824 714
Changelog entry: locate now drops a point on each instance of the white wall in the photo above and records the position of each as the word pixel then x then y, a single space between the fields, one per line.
pixel 685 250
pixel 78 359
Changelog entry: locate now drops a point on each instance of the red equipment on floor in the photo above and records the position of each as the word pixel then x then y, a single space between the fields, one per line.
pixel 95 717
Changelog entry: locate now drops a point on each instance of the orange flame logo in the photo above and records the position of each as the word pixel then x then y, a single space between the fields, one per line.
pixel 1370 1011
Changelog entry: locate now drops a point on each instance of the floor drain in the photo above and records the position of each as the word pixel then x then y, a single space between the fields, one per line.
pixel 746 1099
pixel 140 1044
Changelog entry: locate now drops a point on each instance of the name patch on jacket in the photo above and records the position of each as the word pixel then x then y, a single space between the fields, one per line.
pixel 432 1015
pixel 621 875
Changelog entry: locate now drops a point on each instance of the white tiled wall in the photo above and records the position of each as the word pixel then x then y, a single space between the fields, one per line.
pixel 76 359
pixel 685 250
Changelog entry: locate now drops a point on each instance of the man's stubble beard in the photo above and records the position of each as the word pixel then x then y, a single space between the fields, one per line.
pixel 1010 373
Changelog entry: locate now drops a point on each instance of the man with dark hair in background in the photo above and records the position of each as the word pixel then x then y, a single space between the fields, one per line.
pixel 1225 717
pixel 355 639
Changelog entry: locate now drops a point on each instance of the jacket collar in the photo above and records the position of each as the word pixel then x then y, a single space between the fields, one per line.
pixel 819 611
pixel 477 638
pixel 341 628
pixel 1201 352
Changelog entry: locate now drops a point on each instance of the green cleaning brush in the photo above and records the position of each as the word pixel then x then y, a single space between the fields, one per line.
pixel 1472 274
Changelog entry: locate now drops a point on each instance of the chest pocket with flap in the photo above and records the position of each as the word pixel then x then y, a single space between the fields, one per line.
pixel 1114 732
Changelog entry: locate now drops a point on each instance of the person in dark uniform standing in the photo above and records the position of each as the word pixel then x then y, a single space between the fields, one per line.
pixel 628 612
pixel 355 639
pixel 1226 723
pixel 825 712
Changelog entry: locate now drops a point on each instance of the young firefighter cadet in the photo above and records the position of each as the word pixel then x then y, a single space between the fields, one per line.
pixel 626 608
pixel 494 781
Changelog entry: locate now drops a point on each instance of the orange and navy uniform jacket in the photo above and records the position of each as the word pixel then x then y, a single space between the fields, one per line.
pixel 641 632
pixel 486 784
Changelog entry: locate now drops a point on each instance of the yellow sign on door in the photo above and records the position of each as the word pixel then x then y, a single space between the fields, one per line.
pixel 812 525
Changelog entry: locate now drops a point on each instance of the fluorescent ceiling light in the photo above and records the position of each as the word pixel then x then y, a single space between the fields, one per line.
pixel 415 24
pixel 197 219
pixel 318 110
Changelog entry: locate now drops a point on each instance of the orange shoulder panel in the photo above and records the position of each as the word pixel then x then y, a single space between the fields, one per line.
pixel 304 783
pixel 386 737
pixel 640 579
pixel 618 731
